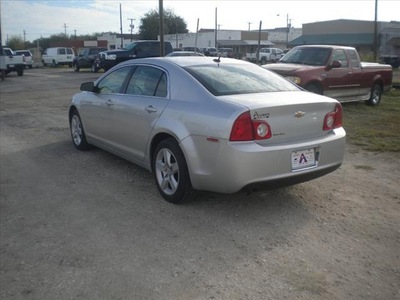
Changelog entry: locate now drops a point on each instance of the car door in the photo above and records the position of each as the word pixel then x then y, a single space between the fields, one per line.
pixel 339 82
pixel 97 108
pixel 136 111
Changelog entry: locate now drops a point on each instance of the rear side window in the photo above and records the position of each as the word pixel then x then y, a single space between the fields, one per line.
pixel 69 51
pixel 61 51
pixel 355 62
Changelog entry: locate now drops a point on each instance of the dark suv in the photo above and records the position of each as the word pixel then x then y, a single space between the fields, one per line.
pixel 86 57
pixel 138 49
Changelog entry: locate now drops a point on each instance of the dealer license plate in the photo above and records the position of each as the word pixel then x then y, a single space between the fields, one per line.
pixel 303 159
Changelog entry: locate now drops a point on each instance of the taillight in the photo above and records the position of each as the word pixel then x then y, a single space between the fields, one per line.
pixel 334 118
pixel 246 129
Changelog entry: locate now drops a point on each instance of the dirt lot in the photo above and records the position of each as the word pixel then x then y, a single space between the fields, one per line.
pixel 89 225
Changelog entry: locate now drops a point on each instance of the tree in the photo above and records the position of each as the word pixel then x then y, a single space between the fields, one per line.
pixel 149 28
pixel 15 42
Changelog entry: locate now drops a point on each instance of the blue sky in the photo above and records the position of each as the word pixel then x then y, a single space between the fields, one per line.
pixel 44 18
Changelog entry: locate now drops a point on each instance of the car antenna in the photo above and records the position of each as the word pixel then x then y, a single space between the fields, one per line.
pixel 217 60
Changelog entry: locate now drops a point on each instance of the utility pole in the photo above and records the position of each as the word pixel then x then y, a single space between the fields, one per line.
pixel 24 39
pixel 376 31
pixel 65 29
pixel 249 24
pixel 161 12
pixel 216 24
pixel 120 23
pixel 131 26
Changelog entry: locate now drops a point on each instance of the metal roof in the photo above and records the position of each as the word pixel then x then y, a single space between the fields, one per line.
pixel 334 39
pixel 243 43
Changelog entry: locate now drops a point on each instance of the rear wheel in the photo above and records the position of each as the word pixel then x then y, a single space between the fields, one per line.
pixel 20 71
pixel 170 172
pixel 77 132
pixel 53 64
pixel 76 67
pixel 376 95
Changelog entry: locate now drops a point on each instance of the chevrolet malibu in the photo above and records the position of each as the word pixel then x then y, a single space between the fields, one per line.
pixel 203 123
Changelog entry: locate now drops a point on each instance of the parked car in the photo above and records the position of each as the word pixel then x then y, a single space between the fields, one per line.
pixel 210 51
pixel 12 62
pixel 208 124
pixel 86 57
pixel 266 55
pixel 58 56
pixel 28 57
pixel 335 71
pixel 139 49
pixel 185 53
pixel 226 52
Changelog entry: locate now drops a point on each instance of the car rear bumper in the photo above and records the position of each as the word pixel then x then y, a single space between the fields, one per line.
pixel 228 167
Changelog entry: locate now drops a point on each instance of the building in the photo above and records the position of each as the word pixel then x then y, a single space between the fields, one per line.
pixel 241 42
pixel 355 33
pixel 282 36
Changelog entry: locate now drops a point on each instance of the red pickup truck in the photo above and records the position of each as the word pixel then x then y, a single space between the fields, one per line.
pixel 336 72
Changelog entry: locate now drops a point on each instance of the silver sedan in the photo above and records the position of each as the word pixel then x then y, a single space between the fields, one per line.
pixel 203 123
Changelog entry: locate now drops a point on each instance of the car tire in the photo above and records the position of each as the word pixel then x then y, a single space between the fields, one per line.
pixel 77 132
pixel 170 172
pixel 376 95
pixel 53 64
pixel 263 60
pixel 314 88
pixel 20 71
pixel 76 67
pixel 94 68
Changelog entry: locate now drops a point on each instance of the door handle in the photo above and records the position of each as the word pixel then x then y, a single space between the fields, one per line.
pixel 151 109
pixel 109 102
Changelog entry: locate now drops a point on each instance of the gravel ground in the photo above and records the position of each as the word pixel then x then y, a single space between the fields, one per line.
pixel 88 225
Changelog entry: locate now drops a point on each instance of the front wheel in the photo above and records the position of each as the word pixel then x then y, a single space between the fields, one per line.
pixel 20 71
pixel 314 88
pixel 170 172
pixel 94 68
pixel 77 132
pixel 376 95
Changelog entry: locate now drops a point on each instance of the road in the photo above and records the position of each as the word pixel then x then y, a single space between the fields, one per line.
pixel 89 225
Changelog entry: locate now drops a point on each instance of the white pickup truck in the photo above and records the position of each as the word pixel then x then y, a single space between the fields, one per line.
pixel 12 62
pixel 266 55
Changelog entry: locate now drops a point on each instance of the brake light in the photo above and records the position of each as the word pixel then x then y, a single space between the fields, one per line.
pixel 333 119
pixel 246 129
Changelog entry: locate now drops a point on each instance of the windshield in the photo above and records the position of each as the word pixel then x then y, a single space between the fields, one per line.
pixel 231 79
pixel 312 56
pixel 130 46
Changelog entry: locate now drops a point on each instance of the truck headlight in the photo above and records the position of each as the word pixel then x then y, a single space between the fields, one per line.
pixel 111 57
pixel 294 79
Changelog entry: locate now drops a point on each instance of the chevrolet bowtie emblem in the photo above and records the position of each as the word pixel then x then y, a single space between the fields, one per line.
pixel 299 114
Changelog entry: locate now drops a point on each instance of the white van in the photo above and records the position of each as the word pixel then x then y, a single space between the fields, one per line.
pixel 58 56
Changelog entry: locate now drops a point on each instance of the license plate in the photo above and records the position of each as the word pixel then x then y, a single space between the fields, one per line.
pixel 11 66
pixel 302 159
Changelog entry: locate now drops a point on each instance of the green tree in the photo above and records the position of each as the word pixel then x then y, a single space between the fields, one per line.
pixel 15 42
pixel 149 27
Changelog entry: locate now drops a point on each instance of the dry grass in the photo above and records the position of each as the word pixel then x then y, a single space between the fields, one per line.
pixel 374 128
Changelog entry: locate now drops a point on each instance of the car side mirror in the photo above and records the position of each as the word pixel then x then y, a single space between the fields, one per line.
pixel 88 87
pixel 335 64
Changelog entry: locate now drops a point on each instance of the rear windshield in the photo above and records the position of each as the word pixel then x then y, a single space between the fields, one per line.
pixel 231 79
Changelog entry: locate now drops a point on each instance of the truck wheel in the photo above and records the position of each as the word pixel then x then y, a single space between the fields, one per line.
pixel 94 68
pixel 44 64
pixel 263 60
pixel 53 64
pixel 376 95
pixel 20 71
pixel 314 88
pixel 76 67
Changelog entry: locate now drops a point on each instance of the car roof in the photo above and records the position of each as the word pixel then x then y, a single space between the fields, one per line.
pixel 183 61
